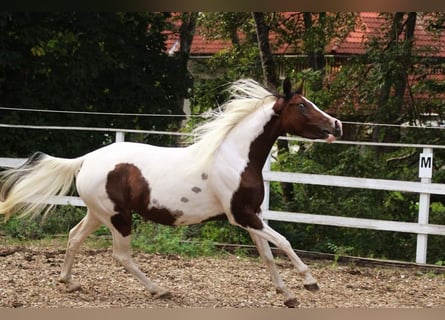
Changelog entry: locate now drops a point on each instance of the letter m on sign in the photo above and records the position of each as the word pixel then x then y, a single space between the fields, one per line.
pixel 426 165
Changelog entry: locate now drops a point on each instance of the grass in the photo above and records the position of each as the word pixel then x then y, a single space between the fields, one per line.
pixel 146 237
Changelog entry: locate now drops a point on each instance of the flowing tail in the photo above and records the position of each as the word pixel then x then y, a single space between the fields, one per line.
pixel 27 190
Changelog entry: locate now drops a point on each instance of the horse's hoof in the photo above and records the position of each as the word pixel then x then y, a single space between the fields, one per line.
pixel 162 294
pixel 291 302
pixel 73 286
pixel 312 287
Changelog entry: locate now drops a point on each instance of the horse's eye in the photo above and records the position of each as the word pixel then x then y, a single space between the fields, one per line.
pixel 301 106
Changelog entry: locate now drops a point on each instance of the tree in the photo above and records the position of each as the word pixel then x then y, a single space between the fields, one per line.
pixel 314 43
pixel 251 54
pixel 239 60
pixel 393 82
pixel 267 60
pixel 271 80
pixel 187 27
pixel 104 62
pixel 396 64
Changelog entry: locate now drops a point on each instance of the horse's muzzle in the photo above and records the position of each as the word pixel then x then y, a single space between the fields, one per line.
pixel 338 129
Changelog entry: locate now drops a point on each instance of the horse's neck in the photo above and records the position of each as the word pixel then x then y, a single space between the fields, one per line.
pixel 252 139
pixel 262 144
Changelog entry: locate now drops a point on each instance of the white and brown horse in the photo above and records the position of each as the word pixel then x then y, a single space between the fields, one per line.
pixel 218 175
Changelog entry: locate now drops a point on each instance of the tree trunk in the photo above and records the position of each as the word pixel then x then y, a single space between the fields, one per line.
pixel 186 33
pixel 267 62
pixel 395 78
pixel 402 79
pixel 315 50
pixel 271 80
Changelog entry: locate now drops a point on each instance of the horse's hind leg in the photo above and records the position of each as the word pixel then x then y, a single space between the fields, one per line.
pixel 76 236
pixel 121 252
pixel 266 253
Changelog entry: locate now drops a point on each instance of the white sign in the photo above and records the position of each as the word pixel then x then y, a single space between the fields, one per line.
pixel 426 165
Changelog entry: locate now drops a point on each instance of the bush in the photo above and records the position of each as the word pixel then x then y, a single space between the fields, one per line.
pixel 351 202
pixel 221 232
pixel 59 221
pixel 156 238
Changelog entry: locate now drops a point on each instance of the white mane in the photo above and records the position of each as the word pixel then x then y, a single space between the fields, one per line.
pixel 246 96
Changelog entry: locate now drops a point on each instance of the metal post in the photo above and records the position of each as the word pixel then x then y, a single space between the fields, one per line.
pixel 424 209
pixel 120 136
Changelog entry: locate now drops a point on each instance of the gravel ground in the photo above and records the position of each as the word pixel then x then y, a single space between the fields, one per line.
pixel 29 278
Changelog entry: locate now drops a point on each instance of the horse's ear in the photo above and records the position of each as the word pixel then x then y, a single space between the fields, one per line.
pixel 287 88
pixel 299 88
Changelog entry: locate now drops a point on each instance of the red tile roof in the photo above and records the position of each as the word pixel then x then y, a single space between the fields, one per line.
pixel 372 24
pixel 369 25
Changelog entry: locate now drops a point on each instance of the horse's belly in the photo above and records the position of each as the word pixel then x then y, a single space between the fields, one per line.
pixel 188 205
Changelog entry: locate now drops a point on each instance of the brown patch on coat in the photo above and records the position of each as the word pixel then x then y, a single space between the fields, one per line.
pixel 130 192
pixel 246 200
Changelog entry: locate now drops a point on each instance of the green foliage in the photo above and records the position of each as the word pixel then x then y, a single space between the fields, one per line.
pixel 102 62
pixel 59 221
pixel 339 251
pixel 221 232
pixel 384 205
pixel 194 240
pixel 22 228
pixel 155 238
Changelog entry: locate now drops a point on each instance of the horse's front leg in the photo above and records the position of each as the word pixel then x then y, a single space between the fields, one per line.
pixel 266 253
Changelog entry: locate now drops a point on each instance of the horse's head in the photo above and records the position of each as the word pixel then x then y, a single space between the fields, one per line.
pixel 301 117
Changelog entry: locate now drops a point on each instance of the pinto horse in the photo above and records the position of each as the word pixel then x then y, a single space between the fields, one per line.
pixel 219 175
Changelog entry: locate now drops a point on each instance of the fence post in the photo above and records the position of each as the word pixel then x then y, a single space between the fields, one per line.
pixel 120 136
pixel 425 174
pixel 266 168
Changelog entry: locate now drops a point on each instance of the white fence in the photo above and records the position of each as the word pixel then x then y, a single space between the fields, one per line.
pixel 424 188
